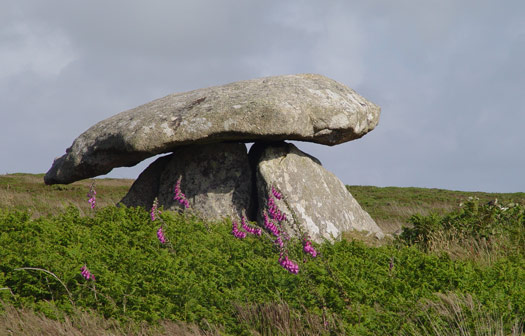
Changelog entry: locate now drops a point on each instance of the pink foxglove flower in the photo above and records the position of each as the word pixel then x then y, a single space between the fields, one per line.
pixel 236 232
pixel 179 196
pixel 276 194
pixel 160 236
pixel 270 225
pixel 289 265
pixel 241 234
pixel 249 229
pixel 274 211
pixel 308 248
pixel 154 210
pixel 92 196
pixel 86 273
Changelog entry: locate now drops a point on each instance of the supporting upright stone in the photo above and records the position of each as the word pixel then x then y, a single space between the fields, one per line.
pixel 216 180
pixel 146 187
pixel 315 201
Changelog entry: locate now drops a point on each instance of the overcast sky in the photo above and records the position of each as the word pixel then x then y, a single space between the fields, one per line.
pixel 449 76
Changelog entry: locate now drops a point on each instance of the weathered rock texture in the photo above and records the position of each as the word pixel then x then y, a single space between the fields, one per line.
pixel 295 107
pixel 216 180
pixel 322 205
pixel 146 187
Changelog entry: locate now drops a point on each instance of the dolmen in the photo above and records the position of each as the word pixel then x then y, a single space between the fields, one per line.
pixel 204 133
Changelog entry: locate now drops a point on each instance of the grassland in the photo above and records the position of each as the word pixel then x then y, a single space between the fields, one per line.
pixel 453 270
pixel 28 192
pixel 391 207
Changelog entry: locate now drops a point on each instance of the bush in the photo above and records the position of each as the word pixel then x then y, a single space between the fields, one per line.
pixel 495 229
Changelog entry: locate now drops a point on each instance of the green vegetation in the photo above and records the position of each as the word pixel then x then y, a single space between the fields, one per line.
pixel 432 279
pixel 391 207
pixel 27 192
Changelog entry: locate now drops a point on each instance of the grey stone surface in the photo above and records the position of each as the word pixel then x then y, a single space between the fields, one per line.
pixel 303 107
pixel 322 205
pixel 216 180
pixel 146 187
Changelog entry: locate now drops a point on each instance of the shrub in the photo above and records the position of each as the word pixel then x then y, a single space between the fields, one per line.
pixel 473 230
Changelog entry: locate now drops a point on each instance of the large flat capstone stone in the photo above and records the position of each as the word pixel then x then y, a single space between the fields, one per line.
pixel 303 107
pixel 216 180
pixel 314 200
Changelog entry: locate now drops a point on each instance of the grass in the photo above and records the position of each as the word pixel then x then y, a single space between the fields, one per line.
pixel 460 315
pixel 23 321
pixel 28 192
pixel 453 270
pixel 390 207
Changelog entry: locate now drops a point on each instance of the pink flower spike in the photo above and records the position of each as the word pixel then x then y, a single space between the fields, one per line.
pixel 270 225
pixel 308 248
pixel 275 193
pixel 154 209
pixel 249 229
pixel 289 265
pixel 236 233
pixel 160 236
pixel 86 273
pixel 92 198
pixel 179 196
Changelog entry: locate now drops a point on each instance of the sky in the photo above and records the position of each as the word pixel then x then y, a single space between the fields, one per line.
pixel 449 76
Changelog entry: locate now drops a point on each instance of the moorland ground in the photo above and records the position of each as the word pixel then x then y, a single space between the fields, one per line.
pixel 458 265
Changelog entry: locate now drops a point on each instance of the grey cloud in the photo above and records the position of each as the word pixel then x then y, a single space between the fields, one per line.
pixel 447 74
